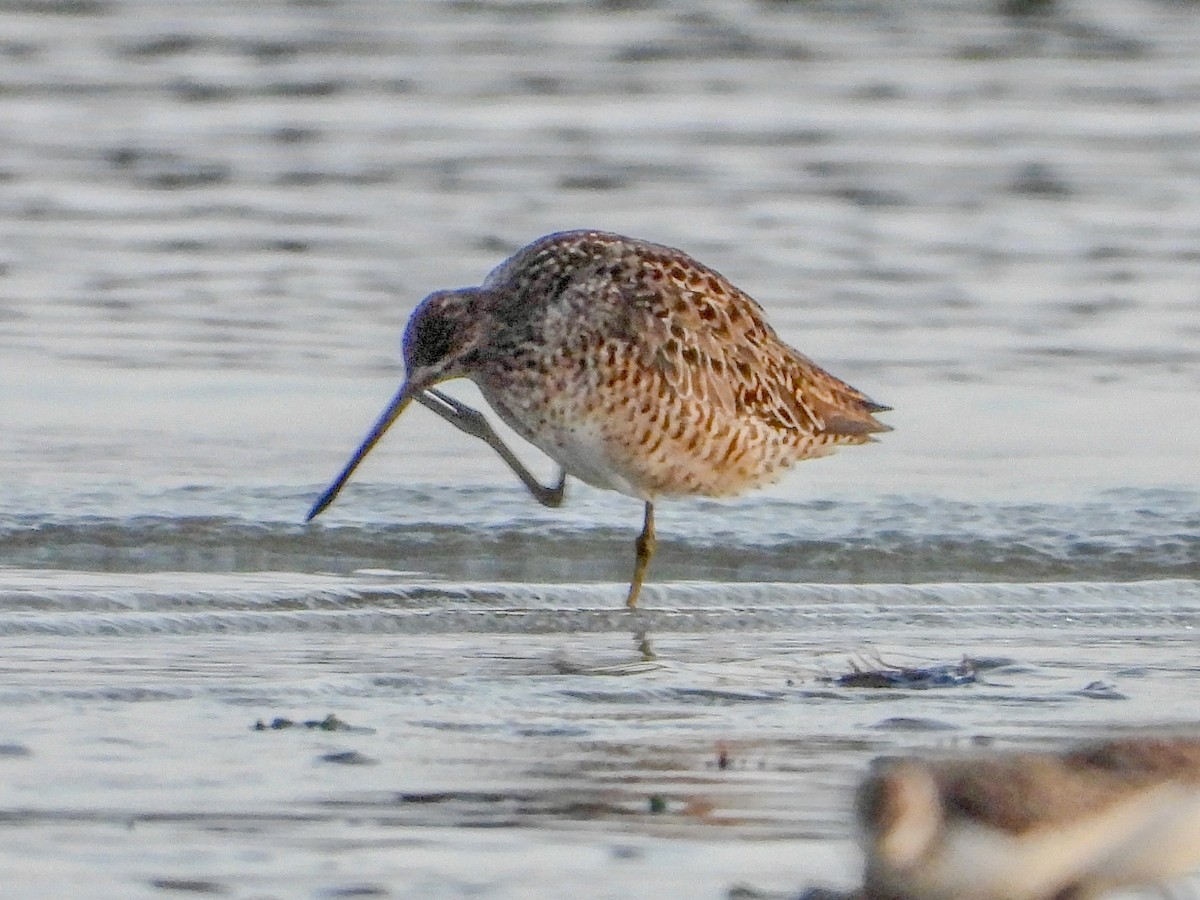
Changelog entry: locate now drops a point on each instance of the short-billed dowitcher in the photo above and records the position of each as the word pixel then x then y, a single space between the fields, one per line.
pixel 631 365
pixel 1032 826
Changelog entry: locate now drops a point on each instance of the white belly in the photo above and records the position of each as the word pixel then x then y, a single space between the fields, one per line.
pixel 581 448
pixel 583 453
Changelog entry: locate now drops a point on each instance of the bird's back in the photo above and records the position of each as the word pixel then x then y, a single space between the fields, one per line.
pixel 642 370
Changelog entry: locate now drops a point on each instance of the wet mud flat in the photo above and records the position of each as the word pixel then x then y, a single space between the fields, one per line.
pixel 317 757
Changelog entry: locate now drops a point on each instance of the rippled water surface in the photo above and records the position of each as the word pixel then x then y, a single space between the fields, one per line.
pixel 214 221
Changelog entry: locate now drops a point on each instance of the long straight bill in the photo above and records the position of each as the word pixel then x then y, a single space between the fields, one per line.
pixel 390 414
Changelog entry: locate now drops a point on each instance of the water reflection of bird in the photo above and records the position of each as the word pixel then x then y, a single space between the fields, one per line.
pixel 631 365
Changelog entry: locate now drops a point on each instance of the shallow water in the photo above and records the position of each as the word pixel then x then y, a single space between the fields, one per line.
pixel 214 224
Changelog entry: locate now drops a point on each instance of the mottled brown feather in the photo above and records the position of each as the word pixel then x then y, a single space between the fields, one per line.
pixel 692 390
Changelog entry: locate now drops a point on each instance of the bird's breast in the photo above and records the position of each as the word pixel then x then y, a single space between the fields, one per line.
pixel 583 446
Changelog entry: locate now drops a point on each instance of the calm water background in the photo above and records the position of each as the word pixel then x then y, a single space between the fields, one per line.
pixel 215 219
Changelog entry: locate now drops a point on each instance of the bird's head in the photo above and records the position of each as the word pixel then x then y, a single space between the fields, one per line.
pixel 442 338
pixel 440 343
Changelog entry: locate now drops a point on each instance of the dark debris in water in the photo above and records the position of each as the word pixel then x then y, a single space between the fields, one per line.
pixel 1099 690
pixel 188 885
pixel 511 808
pixel 879 674
pixel 1020 9
pixel 821 892
pixel 349 758
pixel 329 723
pixel 913 723
pixel 1040 180
pixel 748 892
pixel 167 170
pixel 356 890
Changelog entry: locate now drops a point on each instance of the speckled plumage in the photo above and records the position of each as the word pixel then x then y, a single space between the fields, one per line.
pixel 633 366
pixel 673 368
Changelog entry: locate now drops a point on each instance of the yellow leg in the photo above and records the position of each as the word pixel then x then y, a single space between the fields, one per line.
pixel 645 550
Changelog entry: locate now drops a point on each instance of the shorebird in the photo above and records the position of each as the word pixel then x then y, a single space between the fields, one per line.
pixel 631 365
pixel 1032 826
